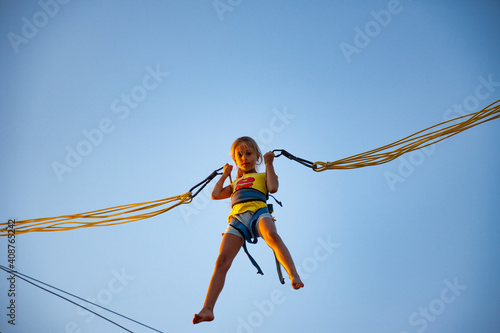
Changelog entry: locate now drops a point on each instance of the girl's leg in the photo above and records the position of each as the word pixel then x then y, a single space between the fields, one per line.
pixel 229 248
pixel 267 230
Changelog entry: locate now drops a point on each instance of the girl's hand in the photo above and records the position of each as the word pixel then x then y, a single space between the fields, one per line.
pixel 227 170
pixel 268 158
pixel 272 178
pixel 219 191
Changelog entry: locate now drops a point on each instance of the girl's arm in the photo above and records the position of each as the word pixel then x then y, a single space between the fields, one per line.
pixel 220 192
pixel 272 178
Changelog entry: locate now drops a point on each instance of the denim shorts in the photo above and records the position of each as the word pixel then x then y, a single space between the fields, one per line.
pixel 245 218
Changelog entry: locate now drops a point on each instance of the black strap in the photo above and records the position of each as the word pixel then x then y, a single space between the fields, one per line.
pixel 302 161
pixel 205 182
pixel 245 233
pixel 278 269
pixel 242 229
pixel 246 195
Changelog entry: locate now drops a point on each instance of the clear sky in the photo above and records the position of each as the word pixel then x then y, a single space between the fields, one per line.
pixel 105 103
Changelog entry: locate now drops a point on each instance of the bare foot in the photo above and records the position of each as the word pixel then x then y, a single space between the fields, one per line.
pixel 297 283
pixel 204 315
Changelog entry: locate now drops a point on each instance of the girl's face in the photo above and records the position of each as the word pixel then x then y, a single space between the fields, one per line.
pixel 245 158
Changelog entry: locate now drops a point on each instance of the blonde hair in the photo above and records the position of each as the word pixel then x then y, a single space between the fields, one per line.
pixel 247 142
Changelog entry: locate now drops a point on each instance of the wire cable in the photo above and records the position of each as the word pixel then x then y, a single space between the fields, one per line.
pixel 23 276
pixel 27 279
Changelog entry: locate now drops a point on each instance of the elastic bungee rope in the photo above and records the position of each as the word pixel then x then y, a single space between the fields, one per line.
pixel 140 211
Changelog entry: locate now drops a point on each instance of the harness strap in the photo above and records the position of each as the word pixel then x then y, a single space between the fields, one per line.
pixel 278 269
pixel 245 233
pixel 251 194
pixel 247 194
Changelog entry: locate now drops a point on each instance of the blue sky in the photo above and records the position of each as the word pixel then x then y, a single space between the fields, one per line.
pixel 117 102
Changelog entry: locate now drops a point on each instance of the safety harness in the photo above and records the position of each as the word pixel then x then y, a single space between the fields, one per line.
pixel 245 195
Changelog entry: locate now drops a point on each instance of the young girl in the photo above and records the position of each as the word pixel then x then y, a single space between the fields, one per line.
pixel 246 155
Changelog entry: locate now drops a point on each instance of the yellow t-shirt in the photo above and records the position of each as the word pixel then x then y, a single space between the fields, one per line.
pixel 257 181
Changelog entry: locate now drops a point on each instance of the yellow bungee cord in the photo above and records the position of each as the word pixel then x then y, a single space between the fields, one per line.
pixel 140 211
